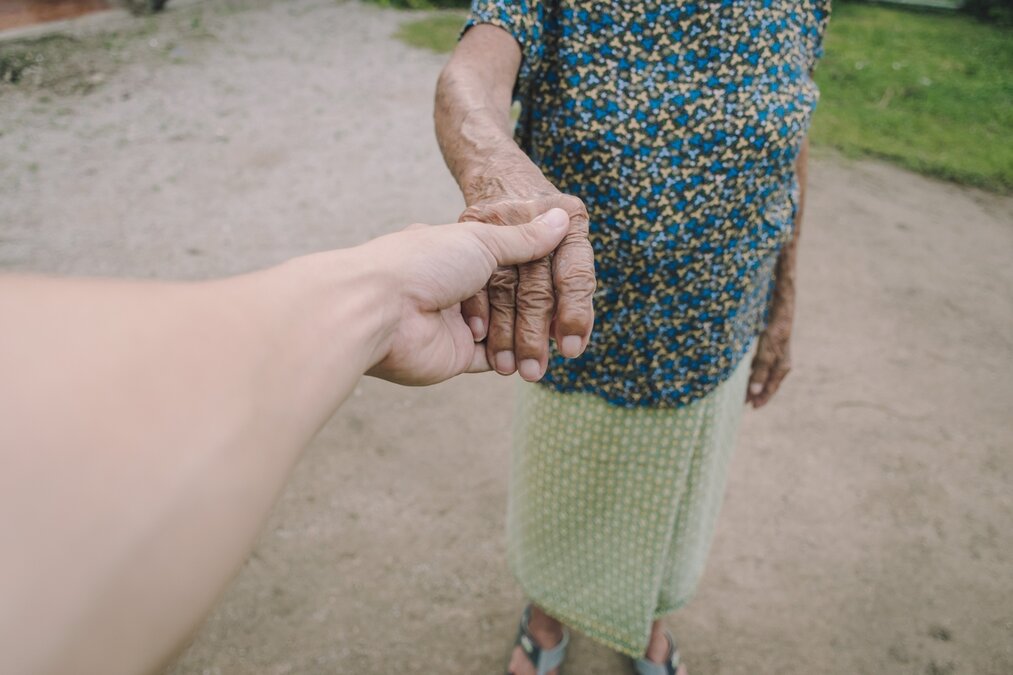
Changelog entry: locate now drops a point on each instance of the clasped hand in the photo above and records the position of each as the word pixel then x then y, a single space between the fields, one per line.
pixel 431 270
pixel 523 305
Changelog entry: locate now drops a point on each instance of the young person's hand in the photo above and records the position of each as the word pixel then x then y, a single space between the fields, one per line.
pixel 429 272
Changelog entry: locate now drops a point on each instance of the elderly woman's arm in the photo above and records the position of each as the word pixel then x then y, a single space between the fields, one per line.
pixel 146 428
pixel 501 185
pixel 773 351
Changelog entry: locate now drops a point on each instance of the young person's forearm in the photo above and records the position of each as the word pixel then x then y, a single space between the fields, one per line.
pixel 472 114
pixel 182 405
pixel 146 428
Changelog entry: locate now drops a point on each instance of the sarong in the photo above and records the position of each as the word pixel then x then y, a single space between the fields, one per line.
pixel 612 509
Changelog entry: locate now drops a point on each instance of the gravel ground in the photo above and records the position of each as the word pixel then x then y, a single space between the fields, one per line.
pixel 867 522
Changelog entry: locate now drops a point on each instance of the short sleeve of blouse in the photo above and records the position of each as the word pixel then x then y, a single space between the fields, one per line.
pixel 523 19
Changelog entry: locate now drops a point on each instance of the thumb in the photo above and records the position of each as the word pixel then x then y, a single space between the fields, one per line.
pixel 758 377
pixel 761 373
pixel 527 242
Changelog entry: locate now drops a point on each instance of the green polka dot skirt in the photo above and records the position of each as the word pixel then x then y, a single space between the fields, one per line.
pixel 612 509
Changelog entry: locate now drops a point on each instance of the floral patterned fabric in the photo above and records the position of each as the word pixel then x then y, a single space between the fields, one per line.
pixel 678 123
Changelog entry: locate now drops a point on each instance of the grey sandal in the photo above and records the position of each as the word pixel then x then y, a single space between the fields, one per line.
pixel 544 660
pixel 669 667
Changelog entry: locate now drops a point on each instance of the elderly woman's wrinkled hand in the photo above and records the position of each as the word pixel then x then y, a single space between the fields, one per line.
pixel 523 306
pixel 772 361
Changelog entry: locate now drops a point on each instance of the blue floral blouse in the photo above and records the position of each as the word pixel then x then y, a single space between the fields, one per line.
pixel 678 123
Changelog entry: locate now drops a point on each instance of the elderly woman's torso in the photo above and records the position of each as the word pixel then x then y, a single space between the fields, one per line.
pixel 678 124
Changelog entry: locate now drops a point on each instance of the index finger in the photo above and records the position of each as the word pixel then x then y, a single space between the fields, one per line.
pixel 575 283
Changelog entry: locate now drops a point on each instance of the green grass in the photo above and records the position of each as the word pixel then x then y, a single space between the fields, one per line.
pixel 422 4
pixel 931 92
pixel 436 32
pixel 22 58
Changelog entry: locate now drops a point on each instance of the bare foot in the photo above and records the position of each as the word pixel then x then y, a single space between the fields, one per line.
pixel 657 648
pixel 547 633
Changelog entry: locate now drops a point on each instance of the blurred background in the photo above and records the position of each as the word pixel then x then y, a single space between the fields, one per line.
pixel 201 138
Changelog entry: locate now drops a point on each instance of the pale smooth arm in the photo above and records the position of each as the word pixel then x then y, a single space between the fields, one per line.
pixel 146 428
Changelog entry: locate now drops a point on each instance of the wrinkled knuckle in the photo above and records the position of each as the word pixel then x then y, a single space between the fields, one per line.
pixel 574 319
pixel 516 213
pixel 473 214
pixel 543 203
pixel 501 326
pixel 576 208
pixel 504 276
pixel 503 285
pixel 484 213
pixel 579 283
pixel 502 295
pixel 535 293
pixel 501 338
pixel 574 205
pixel 536 299
pixel 530 340
pixel 577 238
pixel 537 271
pixel 575 251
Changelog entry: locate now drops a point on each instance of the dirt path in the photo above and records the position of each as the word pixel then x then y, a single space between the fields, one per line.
pixel 867 525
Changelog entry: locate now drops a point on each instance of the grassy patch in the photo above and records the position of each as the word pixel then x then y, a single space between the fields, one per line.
pixel 44 61
pixel 931 92
pixel 437 32
pixel 65 65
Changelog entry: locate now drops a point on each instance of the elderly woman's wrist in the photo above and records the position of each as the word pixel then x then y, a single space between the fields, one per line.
pixel 504 175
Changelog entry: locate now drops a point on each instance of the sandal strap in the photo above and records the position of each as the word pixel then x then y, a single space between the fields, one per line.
pixel 669 667
pixel 544 660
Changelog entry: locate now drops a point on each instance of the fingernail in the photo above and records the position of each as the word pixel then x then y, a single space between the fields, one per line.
pixel 557 219
pixel 530 370
pixel 477 328
pixel 755 388
pixel 505 362
pixel 570 346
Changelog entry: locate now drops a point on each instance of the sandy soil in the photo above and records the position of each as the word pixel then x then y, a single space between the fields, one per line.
pixel 867 524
